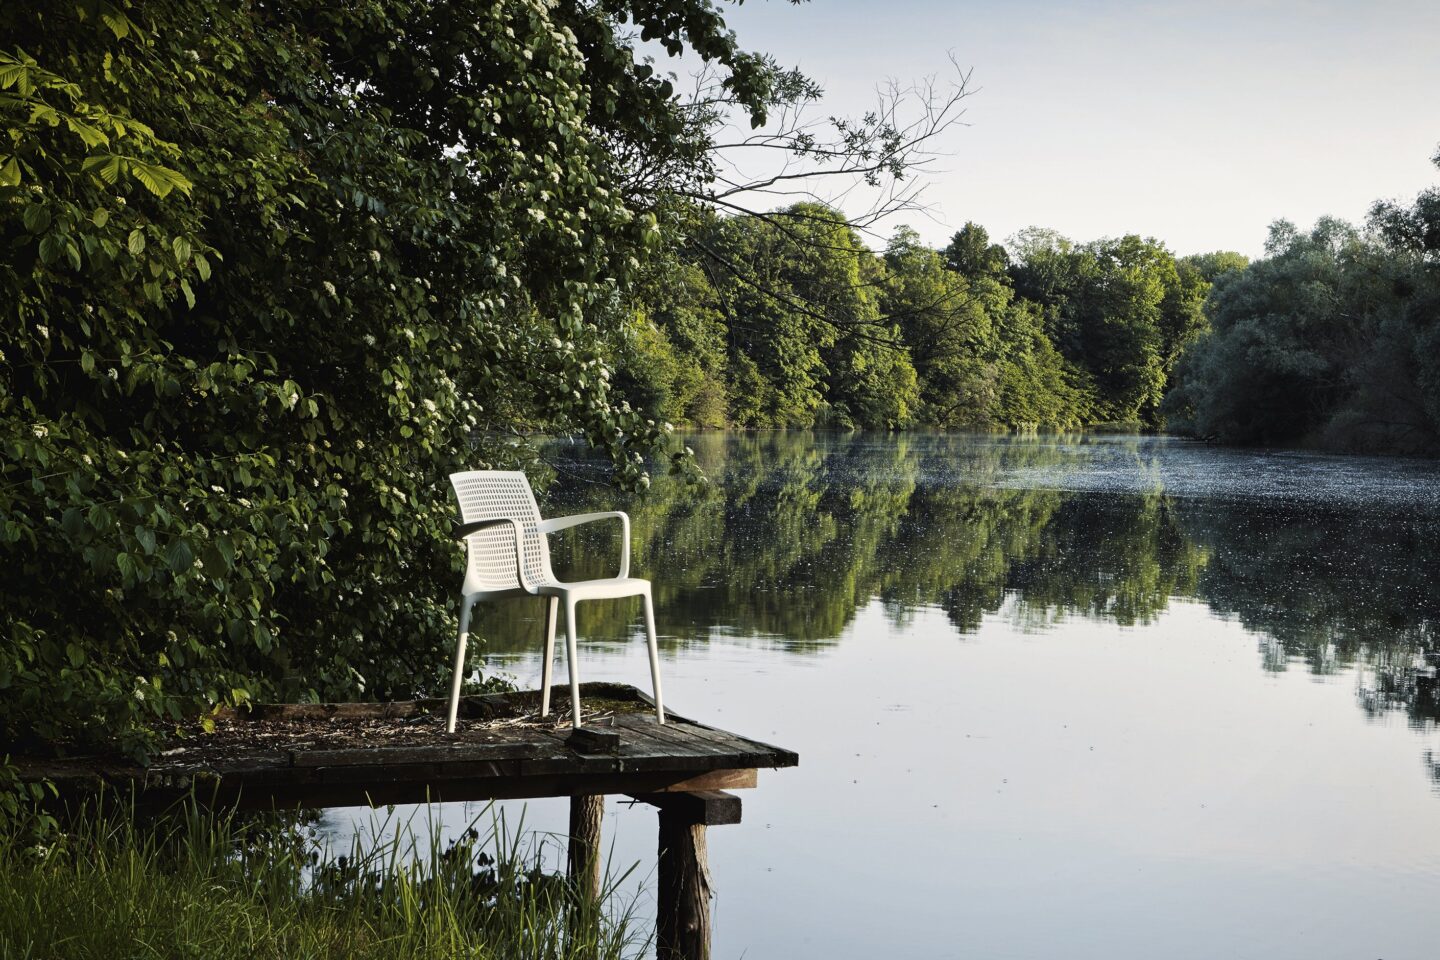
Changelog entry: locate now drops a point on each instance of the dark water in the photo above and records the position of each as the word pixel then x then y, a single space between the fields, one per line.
pixel 1054 697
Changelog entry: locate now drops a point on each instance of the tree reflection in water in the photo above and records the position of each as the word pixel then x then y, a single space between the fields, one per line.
pixel 799 531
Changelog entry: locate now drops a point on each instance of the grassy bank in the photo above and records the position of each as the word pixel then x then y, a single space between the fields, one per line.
pixel 197 885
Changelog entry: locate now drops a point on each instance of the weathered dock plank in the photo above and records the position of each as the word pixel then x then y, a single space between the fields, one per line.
pixel 315 755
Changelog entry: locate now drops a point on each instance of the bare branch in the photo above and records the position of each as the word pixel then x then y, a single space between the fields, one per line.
pixel 828 161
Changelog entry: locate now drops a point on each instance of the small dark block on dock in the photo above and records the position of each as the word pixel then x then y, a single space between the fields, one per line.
pixel 711 808
pixel 594 740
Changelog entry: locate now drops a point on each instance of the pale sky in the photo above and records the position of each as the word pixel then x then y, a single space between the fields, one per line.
pixel 1197 123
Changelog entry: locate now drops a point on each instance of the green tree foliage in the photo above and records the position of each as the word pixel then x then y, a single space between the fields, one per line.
pixel 777 341
pixel 1119 309
pixel 971 254
pixel 982 355
pixel 948 321
pixel 872 378
pixel 1269 370
pixel 821 331
pixel 1038 386
pixel 1332 339
pixel 1212 266
pixel 268 270
pixel 806 341
pixel 672 362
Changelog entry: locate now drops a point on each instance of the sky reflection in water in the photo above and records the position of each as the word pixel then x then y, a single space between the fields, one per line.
pixel 1054 697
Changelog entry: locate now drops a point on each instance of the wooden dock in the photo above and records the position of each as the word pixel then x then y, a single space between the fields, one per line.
pixel 331 755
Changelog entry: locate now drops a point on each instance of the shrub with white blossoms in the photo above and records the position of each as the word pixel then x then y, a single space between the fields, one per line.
pixel 211 450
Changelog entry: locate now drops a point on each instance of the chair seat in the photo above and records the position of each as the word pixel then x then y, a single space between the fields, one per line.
pixel 606 589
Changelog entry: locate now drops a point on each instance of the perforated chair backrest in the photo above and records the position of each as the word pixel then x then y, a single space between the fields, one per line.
pixel 494 495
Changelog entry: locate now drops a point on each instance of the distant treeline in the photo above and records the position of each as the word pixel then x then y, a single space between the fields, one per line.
pixel 1332 340
pixel 789 320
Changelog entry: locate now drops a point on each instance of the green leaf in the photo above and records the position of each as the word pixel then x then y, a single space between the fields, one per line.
pixel 227 550
pixel 36 217
pixel 181 248
pixel 144 173
pixel 72 521
pixel 179 556
pixel 11 71
pixel 189 294
pixel 118 24
pixel 159 180
pixel 51 247
pixel 137 242
pixel 105 166
pixel 202 266
pixel 10 173
pixel 44 113
pixel 102 217
pixel 89 135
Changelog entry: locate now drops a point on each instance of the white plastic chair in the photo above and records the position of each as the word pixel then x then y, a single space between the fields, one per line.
pixel 507 556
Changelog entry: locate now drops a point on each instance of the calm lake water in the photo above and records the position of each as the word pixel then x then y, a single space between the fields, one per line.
pixel 1054 697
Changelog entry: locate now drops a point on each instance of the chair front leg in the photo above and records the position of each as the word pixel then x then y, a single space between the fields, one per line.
pixel 572 661
pixel 459 676
pixel 552 611
pixel 654 656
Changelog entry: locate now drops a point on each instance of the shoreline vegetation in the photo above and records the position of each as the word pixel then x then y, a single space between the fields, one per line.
pixel 1330 341
pixel 196 883
pixel 789 320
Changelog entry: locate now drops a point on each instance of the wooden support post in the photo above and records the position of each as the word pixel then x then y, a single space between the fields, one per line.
pixel 682 922
pixel 586 813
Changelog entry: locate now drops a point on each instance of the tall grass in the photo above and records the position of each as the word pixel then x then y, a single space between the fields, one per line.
pixel 197 885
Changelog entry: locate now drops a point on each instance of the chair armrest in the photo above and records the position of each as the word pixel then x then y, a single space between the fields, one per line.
pixel 463 531
pixel 563 523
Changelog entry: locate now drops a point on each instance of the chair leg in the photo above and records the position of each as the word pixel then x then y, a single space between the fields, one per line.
pixel 552 610
pixel 572 662
pixel 459 676
pixel 654 657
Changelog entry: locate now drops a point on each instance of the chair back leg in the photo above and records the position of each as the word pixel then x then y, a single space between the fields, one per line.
pixel 654 656
pixel 572 663
pixel 459 676
pixel 552 612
